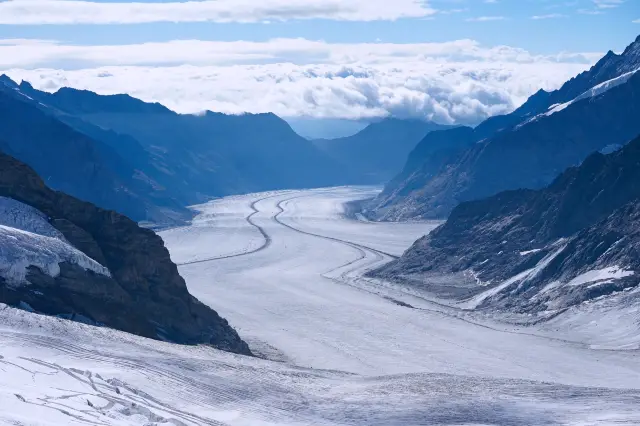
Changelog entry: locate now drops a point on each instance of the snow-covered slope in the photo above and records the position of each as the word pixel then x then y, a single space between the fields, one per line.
pixel 593 92
pixel 27 239
pixel 351 351
pixel 54 372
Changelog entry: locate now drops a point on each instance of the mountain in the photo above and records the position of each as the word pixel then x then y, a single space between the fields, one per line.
pixel 66 257
pixel 75 162
pixel 205 155
pixel 538 251
pixel 378 151
pixel 525 149
pixel 325 128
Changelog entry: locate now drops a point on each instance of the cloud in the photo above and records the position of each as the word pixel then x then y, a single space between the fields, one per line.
pixel 590 12
pixel 44 53
pixel 637 21
pixel 549 16
pixel 453 82
pixel 607 4
pixel 453 11
pixel 486 19
pixel 32 12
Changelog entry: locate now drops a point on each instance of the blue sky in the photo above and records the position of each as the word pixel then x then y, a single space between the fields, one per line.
pixel 581 25
pixel 448 60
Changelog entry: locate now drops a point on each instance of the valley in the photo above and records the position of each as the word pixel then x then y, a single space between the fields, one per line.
pixel 286 269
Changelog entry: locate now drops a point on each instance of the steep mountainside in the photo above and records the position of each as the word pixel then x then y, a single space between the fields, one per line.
pixel 211 154
pixel 400 197
pixel 378 151
pixel 527 148
pixel 74 162
pixel 62 256
pixel 538 251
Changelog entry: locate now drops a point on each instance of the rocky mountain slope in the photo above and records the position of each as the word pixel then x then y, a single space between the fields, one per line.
pixel 537 251
pixel 378 151
pixel 62 256
pixel 526 149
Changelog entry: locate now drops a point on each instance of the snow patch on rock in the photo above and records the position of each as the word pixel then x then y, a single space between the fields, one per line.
pixel 600 276
pixel 28 239
pixel 591 93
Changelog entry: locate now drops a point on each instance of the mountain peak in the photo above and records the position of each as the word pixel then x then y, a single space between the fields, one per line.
pixel 25 85
pixel 633 48
pixel 7 81
pixel 88 102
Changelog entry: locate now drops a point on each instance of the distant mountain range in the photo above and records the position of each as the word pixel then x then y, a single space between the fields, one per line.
pixel 378 152
pixel 597 110
pixel 148 162
pixel 325 128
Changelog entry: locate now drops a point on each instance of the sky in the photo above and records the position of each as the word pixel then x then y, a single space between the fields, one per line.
pixel 451 61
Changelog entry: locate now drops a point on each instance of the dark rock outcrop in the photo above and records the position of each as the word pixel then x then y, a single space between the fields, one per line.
pixel 585 220
pixel 145 294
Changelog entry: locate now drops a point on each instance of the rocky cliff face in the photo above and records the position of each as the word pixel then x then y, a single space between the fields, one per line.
pixel 143 292
pixel 525 149
pixel 402 198
pixel 537 251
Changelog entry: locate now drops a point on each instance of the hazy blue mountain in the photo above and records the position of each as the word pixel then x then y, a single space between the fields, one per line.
pixel 211 154
pixel 525 149
pixel 73 162
pixel 378 151
pixel 325 128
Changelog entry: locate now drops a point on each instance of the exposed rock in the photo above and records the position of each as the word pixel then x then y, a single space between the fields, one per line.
pixel 144 295
pixel 573 241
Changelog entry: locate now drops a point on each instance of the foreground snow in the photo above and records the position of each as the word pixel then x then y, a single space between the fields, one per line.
pixel 351 351
pixel 56 372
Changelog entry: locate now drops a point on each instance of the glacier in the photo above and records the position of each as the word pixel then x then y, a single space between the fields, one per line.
pixel 335 347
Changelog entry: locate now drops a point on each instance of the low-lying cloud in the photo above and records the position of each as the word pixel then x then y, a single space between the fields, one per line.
pixel 455 82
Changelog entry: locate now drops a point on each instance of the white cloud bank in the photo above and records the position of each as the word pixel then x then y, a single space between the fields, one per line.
pixel 459 81
pixel 37 12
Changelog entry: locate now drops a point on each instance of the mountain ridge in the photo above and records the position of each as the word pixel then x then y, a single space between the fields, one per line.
pixel 505 152
pixel 164 161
